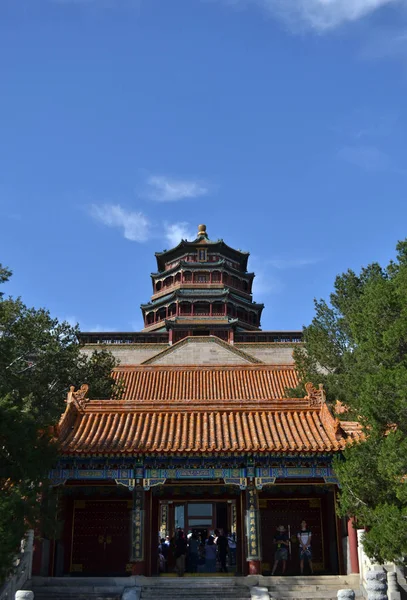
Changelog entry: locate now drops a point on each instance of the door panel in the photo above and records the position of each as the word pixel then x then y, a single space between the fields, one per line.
pixel 101 537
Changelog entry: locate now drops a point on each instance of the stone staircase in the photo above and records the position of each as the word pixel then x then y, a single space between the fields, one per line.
pixel 314 587
pixel 152 588
pixel 79 588
pixel 195 588
pixel 310 587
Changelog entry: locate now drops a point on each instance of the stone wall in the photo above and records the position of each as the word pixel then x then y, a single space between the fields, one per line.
pixel 270 354
pixel 128 354
pixel 207 352
pixel 194 352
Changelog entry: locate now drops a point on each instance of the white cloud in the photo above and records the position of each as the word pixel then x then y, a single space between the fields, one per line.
pixel 386 43
pixel 76 1
pixel 165 189
pixel 100 3
pixel 365 124
pixel 320 15
pixel 264 283
pixel 368 158
pixel 293 263
pixel 137 324
pixel 135 225
pixel 175 232
pixel 70 319
pixel 73 322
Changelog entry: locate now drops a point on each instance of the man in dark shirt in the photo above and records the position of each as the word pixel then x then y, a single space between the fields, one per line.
pixel 223 545
pixel 281 543
pixel 180 552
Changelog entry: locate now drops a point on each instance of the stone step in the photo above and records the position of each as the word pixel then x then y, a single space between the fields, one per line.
pixel 203 591
pixel 307 594
pixel 311 587
pixel 196 592
pixel 186 593
pixel 57 594
pixel 196 595
pixel 307 588
pixel 332 595
pixel 75 589
pixel 328 580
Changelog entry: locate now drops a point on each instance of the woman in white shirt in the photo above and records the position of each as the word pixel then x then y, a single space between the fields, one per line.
pixel 304 539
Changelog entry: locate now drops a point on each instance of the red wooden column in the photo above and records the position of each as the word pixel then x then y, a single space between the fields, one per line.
pixel 353 546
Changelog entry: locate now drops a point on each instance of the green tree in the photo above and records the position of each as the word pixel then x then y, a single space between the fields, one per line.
pixel 356 346
pixel 39 359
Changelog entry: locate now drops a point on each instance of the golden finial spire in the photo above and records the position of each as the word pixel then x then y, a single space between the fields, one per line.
pixel 202 230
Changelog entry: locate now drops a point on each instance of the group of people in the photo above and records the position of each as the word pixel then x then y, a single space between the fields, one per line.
pixel 193 553
pixel 282 544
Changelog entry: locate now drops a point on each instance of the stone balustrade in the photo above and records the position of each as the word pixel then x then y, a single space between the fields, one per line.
pixel 21 573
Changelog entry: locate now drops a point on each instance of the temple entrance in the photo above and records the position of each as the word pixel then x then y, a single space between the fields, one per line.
pixel 216 510
pixel 101 537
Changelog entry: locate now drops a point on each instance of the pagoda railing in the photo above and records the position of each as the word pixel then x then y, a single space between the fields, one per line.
pixel 291 337
pixel 132 337
pixel 241 337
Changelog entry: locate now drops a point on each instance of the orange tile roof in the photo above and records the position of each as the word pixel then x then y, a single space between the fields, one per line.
pixel 148 383
pixel 205 410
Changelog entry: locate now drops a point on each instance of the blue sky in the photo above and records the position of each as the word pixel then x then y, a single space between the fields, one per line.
pixel 281 124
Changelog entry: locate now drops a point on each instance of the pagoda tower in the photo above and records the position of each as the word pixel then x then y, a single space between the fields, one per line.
pixel 202 288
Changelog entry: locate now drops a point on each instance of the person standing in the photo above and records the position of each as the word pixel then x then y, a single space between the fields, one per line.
pixel 193 550
pixel 281 543
pixel 223 546
pixel 163 550
pixel 180 553
pixel 210 555
pixel 304 539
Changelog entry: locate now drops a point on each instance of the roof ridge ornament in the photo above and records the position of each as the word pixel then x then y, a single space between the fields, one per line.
pixel 79 396
pixel 315 396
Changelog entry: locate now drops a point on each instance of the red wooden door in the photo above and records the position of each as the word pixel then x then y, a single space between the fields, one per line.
pixel 101 537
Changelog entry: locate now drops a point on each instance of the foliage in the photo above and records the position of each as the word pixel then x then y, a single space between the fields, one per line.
pixel 39 359
pixel 357 347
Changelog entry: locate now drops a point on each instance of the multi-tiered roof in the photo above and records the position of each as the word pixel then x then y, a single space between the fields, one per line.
pixel 202 287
